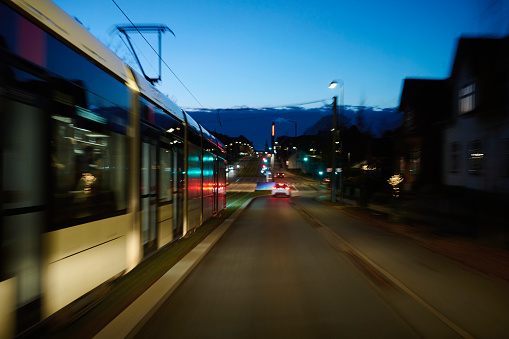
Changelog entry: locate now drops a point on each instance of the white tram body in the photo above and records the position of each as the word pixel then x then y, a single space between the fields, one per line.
pixel 98 168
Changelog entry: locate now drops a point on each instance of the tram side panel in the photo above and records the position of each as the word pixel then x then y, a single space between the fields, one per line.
pixel 169 171
pixel 85 243
pixel 221 183
pixel 220 175
pixel 209 187
pixel 71 148
pixel 79 230
pixel 194 181
pixel 23 177
pixel 166 200
pixel 86 240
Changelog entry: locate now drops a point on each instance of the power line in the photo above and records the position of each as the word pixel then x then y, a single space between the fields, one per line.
pixel 164 62
pixel 294 105
pixel 262 115
pixel 270 107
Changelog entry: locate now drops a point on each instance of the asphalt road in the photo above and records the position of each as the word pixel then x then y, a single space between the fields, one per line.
pixel 296 268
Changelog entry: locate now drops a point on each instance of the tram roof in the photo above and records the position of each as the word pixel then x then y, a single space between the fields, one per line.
pixel 56 20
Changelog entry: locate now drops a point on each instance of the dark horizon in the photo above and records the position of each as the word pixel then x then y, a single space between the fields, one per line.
pixel 255 123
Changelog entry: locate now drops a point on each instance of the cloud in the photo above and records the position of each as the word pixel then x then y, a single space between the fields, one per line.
pixel 255 123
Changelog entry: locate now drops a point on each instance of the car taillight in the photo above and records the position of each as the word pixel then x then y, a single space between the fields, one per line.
pixel 287 188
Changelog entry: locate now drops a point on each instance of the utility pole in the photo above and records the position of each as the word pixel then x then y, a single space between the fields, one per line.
pixel 334 139
pixel 272 158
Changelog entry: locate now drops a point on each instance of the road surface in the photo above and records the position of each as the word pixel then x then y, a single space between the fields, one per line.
pixel 292 267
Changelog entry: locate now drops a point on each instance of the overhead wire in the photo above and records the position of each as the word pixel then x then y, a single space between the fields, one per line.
pixel 160 58
pixel 294 105
pixel 187 89
pixel 260 115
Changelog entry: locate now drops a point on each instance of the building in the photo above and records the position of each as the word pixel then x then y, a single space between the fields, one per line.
pixel 476 137
pixel 424 104
pixel 456 130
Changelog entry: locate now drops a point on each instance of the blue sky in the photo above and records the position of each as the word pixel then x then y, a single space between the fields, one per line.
pixel 278 52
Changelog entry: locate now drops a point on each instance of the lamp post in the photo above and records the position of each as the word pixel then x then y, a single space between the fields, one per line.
pixel 272 159
pixel 335 138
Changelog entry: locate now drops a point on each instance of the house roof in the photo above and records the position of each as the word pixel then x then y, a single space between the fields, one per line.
pixel 482 54
pixel 423 95
pixel 486 61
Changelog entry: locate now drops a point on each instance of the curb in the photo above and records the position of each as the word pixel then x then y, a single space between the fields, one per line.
pixel 136 315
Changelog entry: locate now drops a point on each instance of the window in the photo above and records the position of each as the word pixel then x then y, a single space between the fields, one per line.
pixel 70 65
pixel 415 159
pixel 88 162
pixel 466 98
pixel 87 117
pixel 476 157
pixel 166 170
pixel 455 157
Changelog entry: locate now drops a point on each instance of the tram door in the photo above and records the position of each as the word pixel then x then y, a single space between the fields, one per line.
pixel 148 188
pixel 178 193
pixel 216 185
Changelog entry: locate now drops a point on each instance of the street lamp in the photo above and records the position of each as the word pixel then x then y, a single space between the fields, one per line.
pixel 335 138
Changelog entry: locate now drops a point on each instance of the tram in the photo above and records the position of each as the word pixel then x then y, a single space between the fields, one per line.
pixel 98 168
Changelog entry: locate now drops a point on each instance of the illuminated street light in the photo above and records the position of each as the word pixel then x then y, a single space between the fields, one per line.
pixel 334 84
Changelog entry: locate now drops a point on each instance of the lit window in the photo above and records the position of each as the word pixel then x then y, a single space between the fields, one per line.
pixel 476 157
pixel 466 99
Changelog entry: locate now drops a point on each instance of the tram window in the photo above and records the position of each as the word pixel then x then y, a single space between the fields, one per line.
pixel 165 175
pixel 88 169
pixel 70 65
pixel 8 20
pixel 162 119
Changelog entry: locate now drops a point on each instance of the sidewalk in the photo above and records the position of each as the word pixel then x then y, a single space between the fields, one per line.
pixel 485 254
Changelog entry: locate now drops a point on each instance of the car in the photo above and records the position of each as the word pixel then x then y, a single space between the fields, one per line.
pixel 280 175
pixel 281 189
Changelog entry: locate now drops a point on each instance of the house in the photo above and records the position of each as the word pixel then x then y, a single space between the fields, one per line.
pixel 424 104
pixel 476 136
pixel 456 130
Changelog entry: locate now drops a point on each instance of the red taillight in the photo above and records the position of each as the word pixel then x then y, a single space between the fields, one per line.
pixel 287 188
